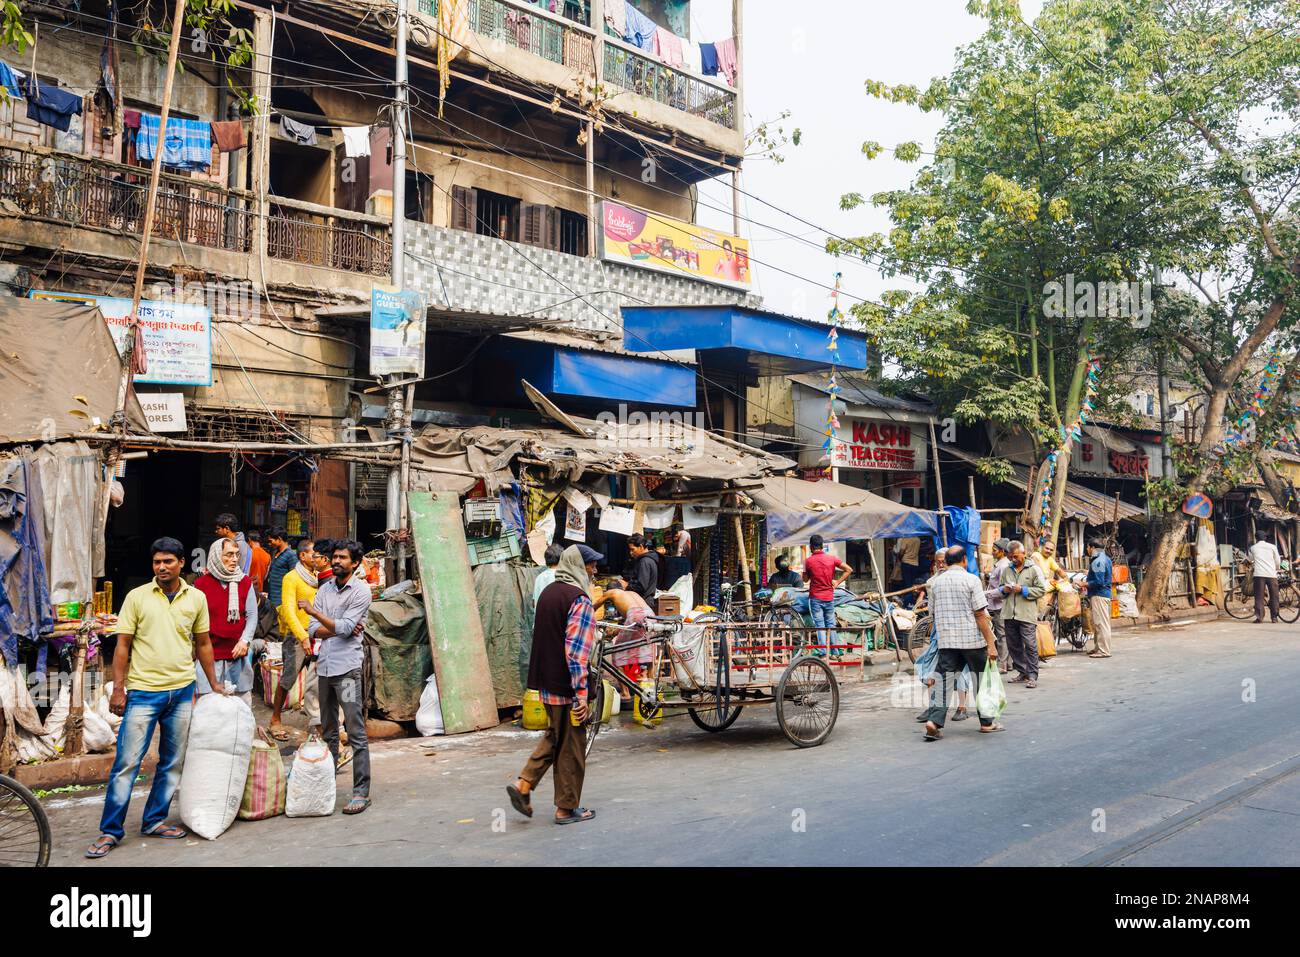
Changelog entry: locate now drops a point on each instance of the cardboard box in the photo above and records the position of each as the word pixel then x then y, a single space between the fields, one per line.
pixel 990 532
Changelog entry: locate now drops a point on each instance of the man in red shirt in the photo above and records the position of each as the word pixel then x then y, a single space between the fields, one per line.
pixel 824 573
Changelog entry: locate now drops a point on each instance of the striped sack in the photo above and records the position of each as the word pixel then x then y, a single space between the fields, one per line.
pixel 267 785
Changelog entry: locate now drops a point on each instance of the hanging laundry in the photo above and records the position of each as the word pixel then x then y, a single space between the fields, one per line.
pixel 51 105
pixel 107 94
pixel 11 79
pixel 298 132
pixel 616 18
pixel 356 141
pixel 727 59
pixel 187 145
pixel 709 59
pixel 639 30
pixel 131 119
pixel 694 61
pixel 229 135
pixel 668 47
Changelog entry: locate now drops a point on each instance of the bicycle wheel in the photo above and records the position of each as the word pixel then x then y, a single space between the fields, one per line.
pixel 595 706
pixel 24 828
pixel 1238 603
pixel 1289 603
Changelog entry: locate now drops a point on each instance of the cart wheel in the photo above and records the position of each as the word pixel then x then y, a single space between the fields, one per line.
pixel 714 719
pixel 807 702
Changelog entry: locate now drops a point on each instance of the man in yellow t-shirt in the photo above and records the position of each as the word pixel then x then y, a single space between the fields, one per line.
pixel 161 629
pixel 1045 558
pixel 299 584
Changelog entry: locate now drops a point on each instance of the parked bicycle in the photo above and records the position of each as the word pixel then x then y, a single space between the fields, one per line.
pixel 24 828
pixel 1239 600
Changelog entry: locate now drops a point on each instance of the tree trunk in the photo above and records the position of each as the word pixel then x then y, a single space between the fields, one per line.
pixel 1277 486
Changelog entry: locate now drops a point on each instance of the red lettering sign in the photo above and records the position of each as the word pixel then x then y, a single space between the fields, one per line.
pixel 1135 464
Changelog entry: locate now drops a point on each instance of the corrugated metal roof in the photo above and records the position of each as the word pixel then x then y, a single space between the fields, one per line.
pixel 856 390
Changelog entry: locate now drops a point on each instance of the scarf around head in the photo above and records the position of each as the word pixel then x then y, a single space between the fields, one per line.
pixel 573 569
pixel 228 578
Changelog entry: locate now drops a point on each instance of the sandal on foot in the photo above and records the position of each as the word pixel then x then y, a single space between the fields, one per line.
pixel 520 801
pixel 279 732
pixel 170 832
pixel 577 816
pixel 345 758
pixel 356 805
pixel 934 735
pixel 103 844
pixel 961 715
pixel 989 729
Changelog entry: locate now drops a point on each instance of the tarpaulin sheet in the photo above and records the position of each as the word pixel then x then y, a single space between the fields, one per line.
pixel 964 530
pixel 397 644
pixel 60 371
pixel 70 482
pixel 796 510
pixel 506 619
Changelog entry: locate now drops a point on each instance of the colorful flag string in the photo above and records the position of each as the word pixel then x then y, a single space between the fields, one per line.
pixel 1047 481
pixel 832 386
pixel 1243 429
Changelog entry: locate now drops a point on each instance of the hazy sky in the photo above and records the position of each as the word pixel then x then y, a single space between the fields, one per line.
pixel 814 65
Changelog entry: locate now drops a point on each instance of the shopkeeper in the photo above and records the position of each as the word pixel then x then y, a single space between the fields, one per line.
pixel 644 579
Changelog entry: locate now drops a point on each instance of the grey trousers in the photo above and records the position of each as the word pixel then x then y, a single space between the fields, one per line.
pixel 951 663
pixel 1022 642
pixel 1000 639
pixel 344 691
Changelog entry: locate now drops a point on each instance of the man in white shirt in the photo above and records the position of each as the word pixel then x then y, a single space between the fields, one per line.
pixel 1266 560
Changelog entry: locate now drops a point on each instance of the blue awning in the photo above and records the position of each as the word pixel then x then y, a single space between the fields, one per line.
pixel 766 341
pixel 587 373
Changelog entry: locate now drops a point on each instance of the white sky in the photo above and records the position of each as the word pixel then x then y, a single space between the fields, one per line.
pixel 814 65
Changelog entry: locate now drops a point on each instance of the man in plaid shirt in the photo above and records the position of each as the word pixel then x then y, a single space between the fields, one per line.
pixel 564 632
pixel 966 638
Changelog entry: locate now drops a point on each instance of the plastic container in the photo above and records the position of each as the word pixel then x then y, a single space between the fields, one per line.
pixel 638 714
pixel 535 717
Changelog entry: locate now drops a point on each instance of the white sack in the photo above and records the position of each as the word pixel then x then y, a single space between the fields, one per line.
pixel 428 720
pixel 311 781
pixel 216 764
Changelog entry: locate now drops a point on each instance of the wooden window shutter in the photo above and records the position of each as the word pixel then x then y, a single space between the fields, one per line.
pixel 531 220
pixel 464 208
pixel 551 239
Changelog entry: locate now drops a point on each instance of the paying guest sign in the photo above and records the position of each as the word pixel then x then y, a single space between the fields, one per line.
pixel 870 444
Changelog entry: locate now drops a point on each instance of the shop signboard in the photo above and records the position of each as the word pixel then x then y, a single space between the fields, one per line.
pixel 651 241
pixel 396 332
pixel 177 336
pixel 164 411
pixel 880 445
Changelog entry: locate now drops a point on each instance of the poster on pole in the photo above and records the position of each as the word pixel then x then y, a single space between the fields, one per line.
pixel 651 241
pixel 177 336
pixel 396 332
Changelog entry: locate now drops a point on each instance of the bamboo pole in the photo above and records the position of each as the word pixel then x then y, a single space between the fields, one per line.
pixel 73 742
pixel 938 484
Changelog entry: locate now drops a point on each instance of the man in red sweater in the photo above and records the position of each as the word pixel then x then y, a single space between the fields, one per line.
pixel 824 573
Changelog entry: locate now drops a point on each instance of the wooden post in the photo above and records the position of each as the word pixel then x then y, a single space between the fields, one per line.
pixel 971 480
pixel 938 485
pixel 744 555
pixel 76 710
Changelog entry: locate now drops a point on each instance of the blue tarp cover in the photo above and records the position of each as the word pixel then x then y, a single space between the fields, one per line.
pixel 797 509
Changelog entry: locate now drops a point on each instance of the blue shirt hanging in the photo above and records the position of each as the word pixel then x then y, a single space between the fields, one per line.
pixel 51 105
pixel 11 79
pixel 708 59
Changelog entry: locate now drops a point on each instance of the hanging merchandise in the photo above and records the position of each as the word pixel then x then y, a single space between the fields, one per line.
pixel 187 145
pixel 575 525
pixel 301 133
pixel 715 568
pixel 1047 481
pixel 615 518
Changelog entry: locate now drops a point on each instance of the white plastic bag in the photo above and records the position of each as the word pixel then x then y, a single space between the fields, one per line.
pixel 216 764
pixel 1127 595
pixel 689 645
pixel 684 589
pixel 311 781
pixel 428 720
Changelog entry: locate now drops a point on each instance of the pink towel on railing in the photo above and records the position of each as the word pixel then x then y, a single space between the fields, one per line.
pixel 668 47
pixel 727 58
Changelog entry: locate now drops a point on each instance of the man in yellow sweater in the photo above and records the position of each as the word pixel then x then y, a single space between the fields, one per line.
pixel 296 649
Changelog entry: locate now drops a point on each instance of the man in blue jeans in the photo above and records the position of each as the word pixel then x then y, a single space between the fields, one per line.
pixel 824 573
pixel 153 686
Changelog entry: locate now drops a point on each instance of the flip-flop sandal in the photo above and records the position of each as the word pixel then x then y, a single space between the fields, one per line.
pixel 961 715
pixel 577 817
pixel 935 735
pixel 103 844
pixel 168 832
pixel 992 728
pixel 280 734
pixel 356 805
pixel 520 801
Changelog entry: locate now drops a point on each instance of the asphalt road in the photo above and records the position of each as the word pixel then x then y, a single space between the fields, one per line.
pixel 1183 749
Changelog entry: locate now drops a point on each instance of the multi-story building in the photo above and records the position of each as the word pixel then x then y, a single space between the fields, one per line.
pixel 551 180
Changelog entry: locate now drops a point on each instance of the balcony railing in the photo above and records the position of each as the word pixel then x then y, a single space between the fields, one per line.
pixel 630 70
pixel 102 195
pixel 320 236
pixel 547 35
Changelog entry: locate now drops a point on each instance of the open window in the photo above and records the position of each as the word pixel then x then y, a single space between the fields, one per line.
pixel 504 217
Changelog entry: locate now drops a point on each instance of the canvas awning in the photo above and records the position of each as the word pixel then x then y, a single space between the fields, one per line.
pixel 1081 502
pixel 453 460
pixel 60 372
pixel 797 509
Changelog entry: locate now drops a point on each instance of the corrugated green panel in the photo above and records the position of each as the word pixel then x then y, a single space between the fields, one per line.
pixel 455 631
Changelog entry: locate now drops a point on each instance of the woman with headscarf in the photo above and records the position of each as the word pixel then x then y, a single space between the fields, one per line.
pixel 232 610
pixel 564 632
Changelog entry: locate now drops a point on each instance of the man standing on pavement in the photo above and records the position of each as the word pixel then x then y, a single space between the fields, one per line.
pixel 645 568
pixel 547 575
pixel 1022 585
pixel 260 563
pixel 966 638
pixel 564 632
pixel 227 526
pixel 283 560
pixel 1265 558
pixel 340 609
pixel 1100 592
pixel 824 573
pixel 993 595
pixel 297 586
pixel 908 553
pixel 161 628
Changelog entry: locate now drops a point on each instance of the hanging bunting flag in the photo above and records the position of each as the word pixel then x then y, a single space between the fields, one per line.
pixel 1069 435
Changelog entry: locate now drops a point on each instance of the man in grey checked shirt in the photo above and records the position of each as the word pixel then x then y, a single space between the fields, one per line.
pixel 966 638
pixel 341 606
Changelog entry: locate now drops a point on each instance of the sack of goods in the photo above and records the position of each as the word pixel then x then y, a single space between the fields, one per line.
pixel 1068 603
pixel 428 720
pixel 311 781
pixel 1128 600
pixel 216 764
pixel 267 785
pixel 689 660
pixel 1046 640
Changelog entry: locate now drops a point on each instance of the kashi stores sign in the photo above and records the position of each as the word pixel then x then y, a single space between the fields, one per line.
pixel 873 444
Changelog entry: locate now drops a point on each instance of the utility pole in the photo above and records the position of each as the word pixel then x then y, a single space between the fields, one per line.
pixel 400 398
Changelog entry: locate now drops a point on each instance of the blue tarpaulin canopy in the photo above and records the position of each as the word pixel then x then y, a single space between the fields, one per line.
pixel 797 510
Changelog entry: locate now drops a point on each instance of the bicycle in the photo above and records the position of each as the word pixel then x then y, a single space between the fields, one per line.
pixel 24 828
pixel 1239 600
